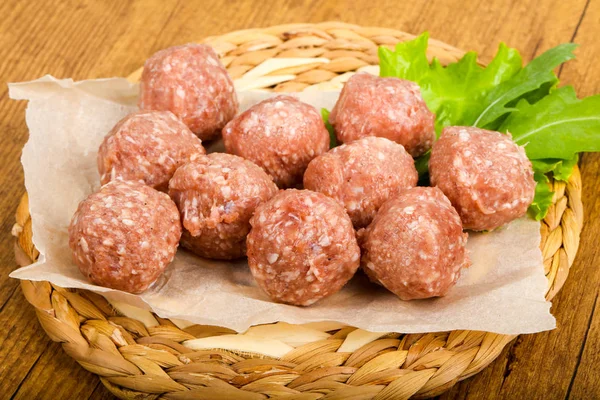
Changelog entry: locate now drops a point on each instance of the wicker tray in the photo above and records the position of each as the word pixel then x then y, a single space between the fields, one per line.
pixel 134 360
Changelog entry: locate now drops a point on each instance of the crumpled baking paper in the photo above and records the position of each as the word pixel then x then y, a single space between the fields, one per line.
pixel 503 291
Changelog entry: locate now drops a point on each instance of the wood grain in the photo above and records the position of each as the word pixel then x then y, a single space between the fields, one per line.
pixel 90 39
pixel 584 76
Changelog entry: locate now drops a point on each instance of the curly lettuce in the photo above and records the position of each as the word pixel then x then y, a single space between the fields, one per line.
pixel 552 124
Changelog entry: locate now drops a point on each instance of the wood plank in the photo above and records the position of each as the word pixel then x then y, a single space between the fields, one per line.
pixel 530 363
pixel 22 342
pixel 585 382
pixel 97 39
pixel 74 382
pixel 67 41
pixel 575 304
pixel 585 75
pixel 101 393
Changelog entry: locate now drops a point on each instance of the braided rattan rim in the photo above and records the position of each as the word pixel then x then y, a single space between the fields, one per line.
pixel 135 361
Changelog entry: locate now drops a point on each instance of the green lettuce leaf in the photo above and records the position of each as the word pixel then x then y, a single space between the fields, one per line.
pixel 455 92
pixel 408 61
pixel 543 197
pixel 564 171
pixel 536 74
pixel 551 123
pixel 557 126
pixel 422 163
pixel 332 138
pixel 560 169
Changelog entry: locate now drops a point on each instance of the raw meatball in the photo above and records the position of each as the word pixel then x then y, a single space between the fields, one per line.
pixel 147 146
pixel 387 107
pixel 125 235
pixel 486 176
pixel 415 246
pixel 362 175
pixel 281 134
pixel 216 196
pixel 302 247
pixel 190 81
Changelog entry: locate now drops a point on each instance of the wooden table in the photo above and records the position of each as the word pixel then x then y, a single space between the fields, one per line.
pixel 95 39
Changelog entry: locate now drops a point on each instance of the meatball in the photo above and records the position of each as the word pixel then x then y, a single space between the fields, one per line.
pixel 362 175
pixel 386 107
pixel 281 134
pixel 216 196
pixel 147 146
pixel 301 247
pixel 415 246
pixel 124 236
pixel 486 176
pixel 191 82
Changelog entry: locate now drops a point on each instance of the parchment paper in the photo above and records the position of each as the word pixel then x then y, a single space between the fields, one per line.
pixel 502 292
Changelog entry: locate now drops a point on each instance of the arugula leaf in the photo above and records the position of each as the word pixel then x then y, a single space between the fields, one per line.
pixel 543 197
pixel 536 74
pixel 557 126
pixel 332 138
pixel 536 95
pixel 531 97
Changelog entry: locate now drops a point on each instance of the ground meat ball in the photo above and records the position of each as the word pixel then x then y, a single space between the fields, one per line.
pixel 216 196
pixel 486 176
pixel 386 107
pixel 147 146
pixel 190 81
pixel 415 246
pixel 362 175
pixel 125 235
pixel 302 247
pixel 281 134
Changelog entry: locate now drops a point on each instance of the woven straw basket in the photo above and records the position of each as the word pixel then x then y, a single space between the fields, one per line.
pixel 136 359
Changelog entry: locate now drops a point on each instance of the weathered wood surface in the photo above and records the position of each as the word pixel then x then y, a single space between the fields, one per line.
pixel 91 39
